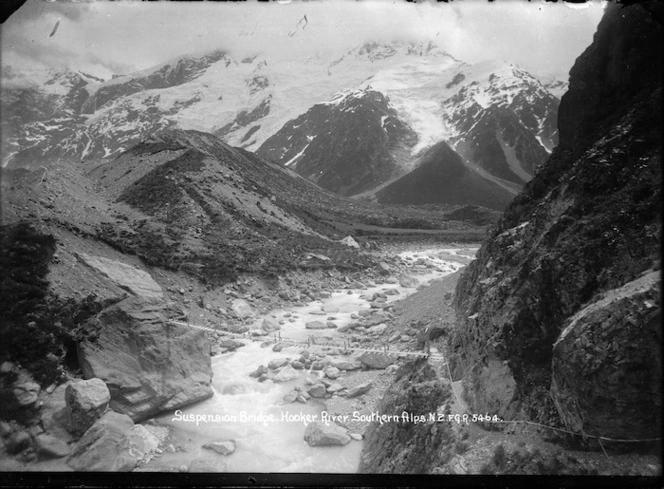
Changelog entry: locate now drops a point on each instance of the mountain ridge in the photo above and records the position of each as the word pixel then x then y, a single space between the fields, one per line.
pixel 119 112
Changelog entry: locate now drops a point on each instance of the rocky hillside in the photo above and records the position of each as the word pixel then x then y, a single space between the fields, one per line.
pixel 184 200
pixel 198 204
pixel 98 259
pixel 442 176
pixel 559 316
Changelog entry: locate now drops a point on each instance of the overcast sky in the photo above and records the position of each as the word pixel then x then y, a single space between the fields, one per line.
pixel 103 38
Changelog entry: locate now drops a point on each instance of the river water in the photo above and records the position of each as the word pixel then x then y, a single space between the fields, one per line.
pixel 269 433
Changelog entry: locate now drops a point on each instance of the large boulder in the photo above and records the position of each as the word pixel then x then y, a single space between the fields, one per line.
pixel 148 364
pixel 87 401
pixel 224 447
pixel 127 277
pixel 377 330
pixel 241 309
pixel 358 390
pixel 270 325
pixel 141 442
pixel 377 319
pixel 332 372
pixel 275 363
pixel 54 413
pixel 407 281
pixel 350 242
pixel 26 391
pixel 261 370
pixel 110 445
pixel 286 374
pixel 383 268
pixel 317 391
pixel 315 325
pixel 377 361
pixel 49 446
pixel 606 377
pixel 406 447
pixel 320 434
pixel 343 364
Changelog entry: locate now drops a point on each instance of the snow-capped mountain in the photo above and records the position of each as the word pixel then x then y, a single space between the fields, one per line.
pixel 351 144
pixel 214 92
pixel 39 107
pixel 498 117
pixel 555 85
pixel 351 123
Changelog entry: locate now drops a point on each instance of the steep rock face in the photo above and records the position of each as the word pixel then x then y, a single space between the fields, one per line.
pixel 129 278
pixel 442 177
pixel 499 143
pixel 348 145
pixel 149 365
pixel 611 72
pixel 244 118
pixel 617 392
pixel 405 446
pixel 503 121
pixel 588 223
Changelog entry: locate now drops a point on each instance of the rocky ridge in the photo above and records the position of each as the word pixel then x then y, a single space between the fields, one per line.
pixel 578 244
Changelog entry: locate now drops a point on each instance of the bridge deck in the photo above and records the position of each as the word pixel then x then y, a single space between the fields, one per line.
pixel 314 342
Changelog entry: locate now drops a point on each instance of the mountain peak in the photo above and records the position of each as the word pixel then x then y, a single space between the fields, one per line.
pixel 195 61
pixel 381 50
pixel 348 94
pixel 384 49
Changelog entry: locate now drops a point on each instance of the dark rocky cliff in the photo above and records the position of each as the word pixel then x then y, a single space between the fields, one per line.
pixel 348 146
pixel 561 306
pixel 407 447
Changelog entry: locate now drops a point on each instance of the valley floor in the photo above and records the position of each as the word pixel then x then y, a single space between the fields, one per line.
pixel 511 451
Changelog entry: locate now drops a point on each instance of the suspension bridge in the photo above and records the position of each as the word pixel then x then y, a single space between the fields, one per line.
pixel 317 342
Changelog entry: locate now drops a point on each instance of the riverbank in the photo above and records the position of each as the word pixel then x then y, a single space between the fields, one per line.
pixel 357 310
pixel 393 307
pixel 329 376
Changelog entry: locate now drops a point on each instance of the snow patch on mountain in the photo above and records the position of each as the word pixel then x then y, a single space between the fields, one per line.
pixel 294 159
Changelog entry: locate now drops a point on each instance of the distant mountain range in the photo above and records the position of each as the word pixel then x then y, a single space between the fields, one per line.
pixel 353 125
